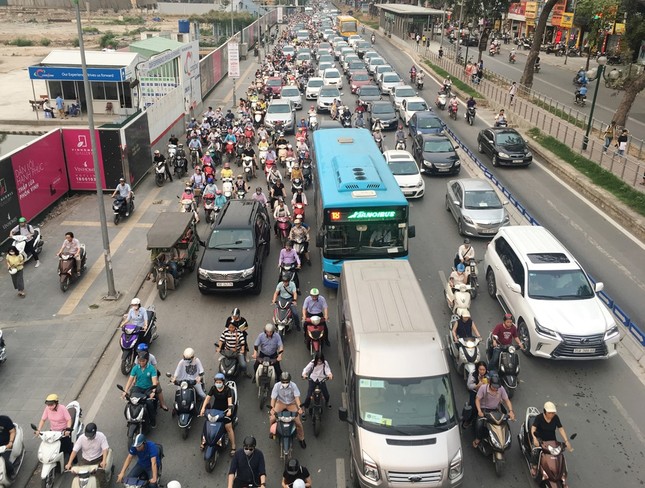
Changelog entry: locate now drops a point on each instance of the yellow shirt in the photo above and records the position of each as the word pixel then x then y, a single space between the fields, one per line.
pixel 15 261
pixel 227 173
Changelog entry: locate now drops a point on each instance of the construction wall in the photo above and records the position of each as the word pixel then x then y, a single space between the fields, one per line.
pixel 94 4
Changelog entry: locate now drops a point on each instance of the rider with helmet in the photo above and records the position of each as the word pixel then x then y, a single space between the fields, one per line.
pixel 315 305
pixel 221 396
pixel 464 327
pixel 59 420
pixel 465 253
pixel 456 278
pixel 286 396
pixel 260 197
pixel 247 466
pixel 295 472
pixel 226 171
pixel 143 347
pixel 543 430
pixel 489 397
pixel 94 450
pixel 232 339
pixel 148 456
pixel 268 345
pixel 317 369
pixel 190 368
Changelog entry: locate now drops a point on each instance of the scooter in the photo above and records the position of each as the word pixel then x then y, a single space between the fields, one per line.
pixel 49 452
pixel 317 406
pixel 400 145
pixel 552 467
pixel 511 58
pixel 470 115
pixel 464 353
pixel 263 156
pixel 508 366
pixel 247 166
pixel 209 208
pixel 285 431
pixel 181 166
pixel 282 316
pixel 473 281
pixel 299 244
pixel 227 187
pixel 17 453
pixel 215 435
pixel 172 154
pixel 265 379
pixel 131 336
pixel 452 110
pixel 315 334
pixel 3 349
pixel 307 174
pixel 20 242
pixel 160 173
pixel 313 121
pixel 496 439
pixel 136 413
pixel 580 99
pixel 185 404
pixel 462 299
pixel 346 119
pixel 284 226
pixel 419 83
pixel 120 208
pixel 441 101
pixel 229 364
pixel 85 476
pixel 67 271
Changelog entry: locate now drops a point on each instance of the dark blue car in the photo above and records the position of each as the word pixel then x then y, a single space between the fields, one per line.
pixel 425 122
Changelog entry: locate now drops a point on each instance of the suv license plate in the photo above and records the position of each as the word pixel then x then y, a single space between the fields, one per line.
pixel 518 161
pixel 584 351
pixel 443 170
pixel 225 283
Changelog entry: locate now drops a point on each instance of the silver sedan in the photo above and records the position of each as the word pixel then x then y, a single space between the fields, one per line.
pixel 476 207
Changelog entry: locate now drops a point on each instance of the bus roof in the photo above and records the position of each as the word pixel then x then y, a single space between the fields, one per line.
pixel 345 17
pixel 352 171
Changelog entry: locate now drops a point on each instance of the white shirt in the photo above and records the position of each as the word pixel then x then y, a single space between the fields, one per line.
pixel 316 372
pixel 91 449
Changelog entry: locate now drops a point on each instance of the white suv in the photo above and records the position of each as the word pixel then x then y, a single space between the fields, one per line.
pixel 554 302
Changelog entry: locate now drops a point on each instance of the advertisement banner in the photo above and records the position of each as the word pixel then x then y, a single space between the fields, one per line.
pixel 39 173
pixel 530 10
pixel 52 73
pixel 80 165
pixel 9 203
pixel 566 22
pixel 110 141
pixel 189 73
pixel 233 60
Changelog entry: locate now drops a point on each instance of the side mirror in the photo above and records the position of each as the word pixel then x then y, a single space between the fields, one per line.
pixel 412 231
pixel 515 288
pixel 600 286
pixel 319 240
pixel 456 203
pixel 342 414
pixel 505 202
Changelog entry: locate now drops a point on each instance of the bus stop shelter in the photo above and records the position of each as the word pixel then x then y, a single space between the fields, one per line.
pixel 404 20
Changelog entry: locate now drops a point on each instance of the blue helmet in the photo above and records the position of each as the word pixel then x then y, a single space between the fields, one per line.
pixel 461 268
pixel 219 376
pixel 142 347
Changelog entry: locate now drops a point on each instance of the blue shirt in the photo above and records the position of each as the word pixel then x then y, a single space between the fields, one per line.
pixel 268 346
pixel 144 457
pixel 315 307
pixel 143 377
pixel 137 317
pixel 583 90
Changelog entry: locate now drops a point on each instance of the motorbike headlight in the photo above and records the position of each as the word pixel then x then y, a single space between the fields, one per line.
pixel 456 466
pixel 248 272
pixel 546 331
pixel 612 332
pixel 370 468
pixel 503 155
pixel 494 441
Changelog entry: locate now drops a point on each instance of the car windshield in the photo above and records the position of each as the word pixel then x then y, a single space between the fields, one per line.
pixel 411 406
pixel 304 56
pixel 412 106
pixel 391 78
pixel 439 146
pixel 356 65
pixel 428 123
pixel 482 200
pixel 400 168
pixel 315 83
pixel 384 108
pixel 326 58
pixel 324 66
pixel 370 90
pixel 332 74
pixel 360 77
pixel 278 108
pixel 377 61
pixel 369 240
pixel 363 44
pixel 324 46
pixel 405 92
pixel 231 239
pixel 330 92
pixel 568 284
pixel 290 92
pixel 509 139
pixel 274 82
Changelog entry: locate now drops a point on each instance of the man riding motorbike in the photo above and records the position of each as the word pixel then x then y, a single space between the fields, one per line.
pixel 543 430
pixel 234 340
pixel 143 379
pixel 399 137
pixel 190 368
pixel 72 246
pixel 148 461
pixel 489 397
pixel 268 344
pixel 286 396
pixel 504 334
pixel 465 253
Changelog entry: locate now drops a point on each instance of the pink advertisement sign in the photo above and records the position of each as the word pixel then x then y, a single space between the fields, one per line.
pixel 80 165
pixel 39 172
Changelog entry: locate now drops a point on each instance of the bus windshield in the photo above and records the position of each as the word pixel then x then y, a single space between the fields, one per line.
pixel 348 26
pixel 364 240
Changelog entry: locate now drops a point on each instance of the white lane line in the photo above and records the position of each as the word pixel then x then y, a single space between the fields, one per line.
pixel 340 473
pixel 629 420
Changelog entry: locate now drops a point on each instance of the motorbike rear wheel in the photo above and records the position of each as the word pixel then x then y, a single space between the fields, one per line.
pixel 64 284
pixel 210 464
pixel 163 289
pixel 159 179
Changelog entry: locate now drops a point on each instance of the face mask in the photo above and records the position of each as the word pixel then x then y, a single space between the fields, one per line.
pixel 284 385
pixel 219 386
pixel 248 452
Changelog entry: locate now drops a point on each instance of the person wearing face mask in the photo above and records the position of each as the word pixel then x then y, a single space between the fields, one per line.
pixel 260 197
pixel 247 467
pixel 222 397
pixel 286 396
pixel 190 368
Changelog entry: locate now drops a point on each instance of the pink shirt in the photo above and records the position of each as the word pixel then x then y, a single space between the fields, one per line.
pixel 57 418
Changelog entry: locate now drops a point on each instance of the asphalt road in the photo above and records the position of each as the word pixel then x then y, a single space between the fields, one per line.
pixel 601 401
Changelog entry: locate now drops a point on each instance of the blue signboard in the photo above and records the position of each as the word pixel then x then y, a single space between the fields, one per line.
pixel 71 73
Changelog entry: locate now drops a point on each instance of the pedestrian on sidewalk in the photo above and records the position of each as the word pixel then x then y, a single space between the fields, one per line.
pixel 512 91
pixel 440 52
pixel 418 39
pixel 609 134
pixel 60 106
pixel 622 142
pixel 15 264
pixel 423 40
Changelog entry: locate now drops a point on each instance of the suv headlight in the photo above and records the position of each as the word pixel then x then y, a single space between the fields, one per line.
pixel 427 163
pixel 528 154
pixel 503 155
pixel 203 274
pixel 546 331
pixel 456 466
pixel 612 332
pixel 248 272
pixel 370 468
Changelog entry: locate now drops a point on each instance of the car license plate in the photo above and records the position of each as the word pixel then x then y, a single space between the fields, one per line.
pixel 488 231
pixel 443 170
pixel 584 350
pixel 225 283
pixel 518 161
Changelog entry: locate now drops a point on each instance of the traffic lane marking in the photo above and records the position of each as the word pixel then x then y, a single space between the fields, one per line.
pixel 82 288
pixel 244 76
pixel 92 223
pixel 627 417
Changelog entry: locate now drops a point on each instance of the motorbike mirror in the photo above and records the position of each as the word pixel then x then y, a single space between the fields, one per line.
pixel 412 231
pixel 120 387
pixel 33 427
pixel 573 436
pixel 168 375
pixel 505 202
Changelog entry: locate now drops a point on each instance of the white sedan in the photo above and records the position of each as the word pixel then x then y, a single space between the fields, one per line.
pixel 389 81
pixel 406 173
pixel 402 92
pixel 313 88
pixel 410 106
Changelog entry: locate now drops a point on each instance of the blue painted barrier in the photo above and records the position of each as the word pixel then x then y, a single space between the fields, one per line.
pixel 618 312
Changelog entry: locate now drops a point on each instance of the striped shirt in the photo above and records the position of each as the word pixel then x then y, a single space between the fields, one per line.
pixel 233 341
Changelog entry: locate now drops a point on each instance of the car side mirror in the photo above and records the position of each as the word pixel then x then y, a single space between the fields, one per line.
pixel 505 202
pixel 515 288
pixel 600 286
pixel 456 202
pixel 319 240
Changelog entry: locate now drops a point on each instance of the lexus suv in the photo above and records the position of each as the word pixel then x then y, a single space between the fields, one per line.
pixel 236 249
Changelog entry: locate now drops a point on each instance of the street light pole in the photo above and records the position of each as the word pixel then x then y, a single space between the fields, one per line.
pixel 232 34
pixel 112 293
pixel 443 23
pixel 461 16
pixel 602 61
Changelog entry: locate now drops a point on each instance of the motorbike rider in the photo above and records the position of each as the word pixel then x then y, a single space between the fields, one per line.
pixel 137 315
pixel 222 397
pixel 295 472
pixel 143 347
pixel 190 368
pixel 288 290
pixel 440 52
pixel 315 304
pixel 453 104
pixel 94 450
pixel 581 76
pixel 124 191
pixel 226 171
pixel 282 140
pixel 247 467
pixel 470 103
pixel 59 420
pixel 260 197
pixel 537 62
pixel 543 430
pixel 465 253
pixel 456 278
pixel 249 152
pixel 360 120
pixel 506 333
pixel 158 157
pixel 413 73
pixel 173 139
pixel 233 339
pixel 72 246
pixel 143 379
pixel 281 210
pixel 489 397
pixel 447 85
pixel 317 370
pixel 240 185
pixel 7 436
pixel 500 119
pixel 299 231
pixel 148 457
pixel 286 396
pixel 196 145
pixel 581 93
pixel 464 327
pixel 289 256
pixel 296 174
pixel 268 344
pixel 220 199
pixel 399 136
pixel 478 378
pixel 420 76
pixel 278 190
pixel 211 187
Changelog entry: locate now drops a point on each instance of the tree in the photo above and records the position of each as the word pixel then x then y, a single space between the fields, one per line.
pixel 632 89
pixel 595 17
pixel 540 27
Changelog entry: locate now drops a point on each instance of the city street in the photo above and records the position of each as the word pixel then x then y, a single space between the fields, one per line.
pixel 601 401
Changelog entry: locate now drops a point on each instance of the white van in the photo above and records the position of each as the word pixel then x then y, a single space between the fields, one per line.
pixel 398 399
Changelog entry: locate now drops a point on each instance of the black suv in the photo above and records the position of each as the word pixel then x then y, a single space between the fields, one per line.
pixel 236 249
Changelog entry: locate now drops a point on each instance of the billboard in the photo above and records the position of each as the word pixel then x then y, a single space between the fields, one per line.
pixel 233 59
pixel 54 73
pixel 80 165
pixel 9 204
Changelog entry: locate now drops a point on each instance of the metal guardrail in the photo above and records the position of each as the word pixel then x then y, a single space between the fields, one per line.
pixel 611 304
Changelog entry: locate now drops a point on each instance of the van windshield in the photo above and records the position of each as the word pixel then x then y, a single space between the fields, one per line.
pixel 411 406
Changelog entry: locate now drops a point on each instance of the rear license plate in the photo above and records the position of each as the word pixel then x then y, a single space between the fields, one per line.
pixel 518 161
pixel 225 283
pixel 584 350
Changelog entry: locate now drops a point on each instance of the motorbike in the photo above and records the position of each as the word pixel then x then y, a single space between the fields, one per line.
pixel 285 431
pixel 419 83
pixel 229 364
pixel 496 439
pixel 511 58
pixel 551 466
pixel 299 245
pixel 492 51
pixel 400 145
pixel 373 39
pixel 580 99
pixel 20 242
pixel 136 413
pixel 229 149
pixel 577 81
pixel 3 349
pixel 501 123
pixel 284 226
pixel 258 115
pixel 346 119
pixel 508 365
pixel 470 115
pixel 536 68
pixel 464 353
pixel 282 154
pixel 17 453
pixel 452 110
pixel 189 205
pixel 160 173
pixel 265 379
pixel 210 211
pixel 283 316
pixel 240 191
pixel 462 299
pixel 441 101
pixel 131 336
pixel 194 157
pixel 471 270
pixel 315 335
pixel 307 174
pixel 172 154
pixel 215 435
pixel 121 208
pixel 313 121
pixel 263 156
pixel 49 453
pixel 446 89
pixel 181 166
pixel 317 407
pixel 67 271
pixel 186 404
pixel 85 476
pixel 290 161
pixel 227 187
pixel 247 166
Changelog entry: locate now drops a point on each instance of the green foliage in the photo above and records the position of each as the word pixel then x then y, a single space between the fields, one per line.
pixel 128 21
pixel 75 42
pixel 20 42
pixel 599 176
pixel 634 28
pixel 594 16
pixel 108 39
pixel 44 42
pixel 90 30
pixel 460 85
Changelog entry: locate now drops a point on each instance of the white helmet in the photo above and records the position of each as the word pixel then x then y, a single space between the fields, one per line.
pixel 135 301
pixel 189 353
pixel 173 484
pixel 299 484
pixel 315 320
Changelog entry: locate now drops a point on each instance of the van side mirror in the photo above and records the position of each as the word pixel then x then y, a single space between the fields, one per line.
pixel 412 231
pixel 343 415
pixel 600 286
pixel 319 240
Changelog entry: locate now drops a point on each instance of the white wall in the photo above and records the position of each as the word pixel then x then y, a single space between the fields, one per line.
pixel 163 113
pixel 187 9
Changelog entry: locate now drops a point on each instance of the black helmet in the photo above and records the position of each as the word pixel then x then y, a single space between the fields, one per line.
pixel 494 380
pixel 285 377
pixel 249 441
pixel 293 467
pixel 236 312
pixel 466 241
pixel 90 430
